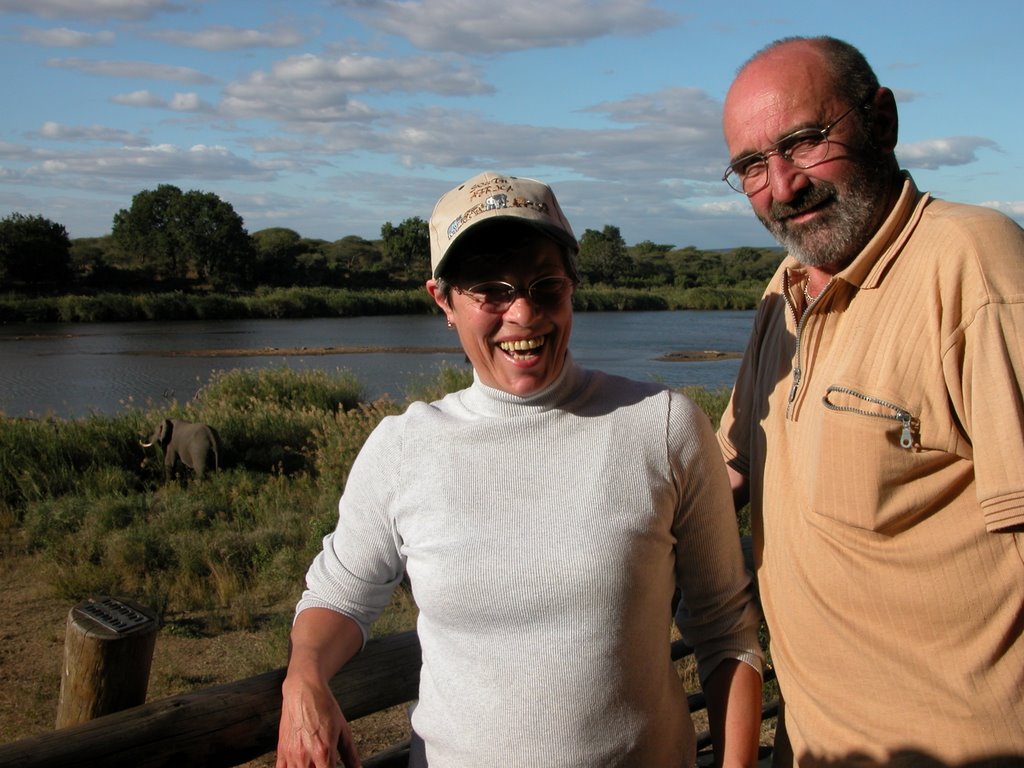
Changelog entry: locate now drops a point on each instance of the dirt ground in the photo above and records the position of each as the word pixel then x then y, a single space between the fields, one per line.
pixel 32 628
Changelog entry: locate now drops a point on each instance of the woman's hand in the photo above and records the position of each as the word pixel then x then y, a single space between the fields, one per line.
pixel 313 732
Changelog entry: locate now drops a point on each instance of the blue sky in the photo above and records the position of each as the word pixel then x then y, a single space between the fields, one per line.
pixel 331 117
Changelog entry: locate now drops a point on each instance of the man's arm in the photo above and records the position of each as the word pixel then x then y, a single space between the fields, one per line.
pixel 782 752
pixel 740 488
pixel 312 725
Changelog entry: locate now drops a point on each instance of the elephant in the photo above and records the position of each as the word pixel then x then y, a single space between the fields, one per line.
pixel 195 445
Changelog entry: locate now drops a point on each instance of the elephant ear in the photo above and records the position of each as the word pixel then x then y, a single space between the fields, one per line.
pixel 165 432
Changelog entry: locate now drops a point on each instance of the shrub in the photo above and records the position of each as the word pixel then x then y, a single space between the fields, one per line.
pixel 249 390
pixel 447 378
pixel 83 494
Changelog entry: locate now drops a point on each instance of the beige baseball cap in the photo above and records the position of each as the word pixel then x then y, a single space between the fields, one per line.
pixel 490 196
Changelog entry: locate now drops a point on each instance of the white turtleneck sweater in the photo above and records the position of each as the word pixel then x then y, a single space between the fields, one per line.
pixel 544 537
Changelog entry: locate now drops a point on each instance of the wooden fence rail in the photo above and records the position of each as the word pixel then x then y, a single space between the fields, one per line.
pixel 222 726
pixel 231 724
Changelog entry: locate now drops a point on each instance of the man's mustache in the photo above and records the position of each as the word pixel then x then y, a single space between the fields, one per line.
pixel 809 198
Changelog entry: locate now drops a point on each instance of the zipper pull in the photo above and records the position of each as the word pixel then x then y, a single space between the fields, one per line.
pixel 906 437
pixel 796 384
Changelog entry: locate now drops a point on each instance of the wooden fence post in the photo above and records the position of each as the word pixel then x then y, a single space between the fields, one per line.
pixel 108 652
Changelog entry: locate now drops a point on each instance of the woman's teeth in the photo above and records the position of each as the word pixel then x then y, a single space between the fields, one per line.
pixel 522 345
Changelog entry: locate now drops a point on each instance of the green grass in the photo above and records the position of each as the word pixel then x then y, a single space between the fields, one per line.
pixel 91 502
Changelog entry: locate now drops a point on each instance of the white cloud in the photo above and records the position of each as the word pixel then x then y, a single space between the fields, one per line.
pixel 129 10
pixel 470 26
pixel 187 102
pixel 1012 208
pixel 728 207
pixel 162 162
pixel 316 103
pixel 650 141
pixel 89 133
pixel 141 98
pixel 180 102
pixel 62 37
pixel 133 69
pixel 318 89
pixel 362 73
pixel 937 153
pixel 227 38
pixel 905 96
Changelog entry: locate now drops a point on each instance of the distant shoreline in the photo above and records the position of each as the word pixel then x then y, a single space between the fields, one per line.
pixel 680 356
pixel 698 356
pixel 297 351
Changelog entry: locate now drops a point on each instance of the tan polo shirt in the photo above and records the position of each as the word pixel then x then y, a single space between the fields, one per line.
pixel 883 435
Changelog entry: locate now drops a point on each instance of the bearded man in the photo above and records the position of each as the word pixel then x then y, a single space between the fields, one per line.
pixel 877 429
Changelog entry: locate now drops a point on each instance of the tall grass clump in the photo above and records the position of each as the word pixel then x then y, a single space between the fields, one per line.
pixel 338 440
pixel 712 298
pixel 288 303
pixel 267 418
pixel 446 378
pixel 15 308
pixel 219 307
pixel 105 307
pixel 43 458
pixel 91 505
pixel 245 390
pixel 408 301
pixel 711 401
pixel 606 299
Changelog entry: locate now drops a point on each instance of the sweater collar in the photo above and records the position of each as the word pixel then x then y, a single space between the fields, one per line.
pixel 489 401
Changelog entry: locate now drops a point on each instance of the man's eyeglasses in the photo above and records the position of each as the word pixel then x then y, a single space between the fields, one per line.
pixel 805 148
pixel 497 296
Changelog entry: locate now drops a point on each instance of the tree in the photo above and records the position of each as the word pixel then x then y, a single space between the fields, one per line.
pixel 185 235
pixel 603 256
pixel 147 232
pixel 354 254
pixel 276 256
pixel 407 248
pixel 33 251
pixel 214 240
pixel 693 267
pixel 648 249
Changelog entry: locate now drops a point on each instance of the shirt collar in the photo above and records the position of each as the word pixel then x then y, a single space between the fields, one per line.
pixel 868 267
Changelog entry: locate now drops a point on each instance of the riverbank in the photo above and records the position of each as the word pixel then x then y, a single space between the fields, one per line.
pixel 294 303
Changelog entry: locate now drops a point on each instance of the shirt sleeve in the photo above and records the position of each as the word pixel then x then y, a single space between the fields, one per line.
pixel 734 430
pixel 988 366
pixel 718 616
pixel 361 562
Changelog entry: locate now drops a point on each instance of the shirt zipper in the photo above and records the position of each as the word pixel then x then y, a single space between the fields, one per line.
pixel 799 321
pixel 899 413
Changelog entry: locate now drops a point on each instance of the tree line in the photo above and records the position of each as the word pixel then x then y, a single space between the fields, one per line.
pixel 195 242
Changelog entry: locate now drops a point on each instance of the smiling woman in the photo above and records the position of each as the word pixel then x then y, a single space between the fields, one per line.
pixel 541 516
pixel 514 317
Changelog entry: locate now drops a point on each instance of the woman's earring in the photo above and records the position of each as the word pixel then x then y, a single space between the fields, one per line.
pixel 450 324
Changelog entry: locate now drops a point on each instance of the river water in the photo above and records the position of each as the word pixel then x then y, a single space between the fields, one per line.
pixel 74 369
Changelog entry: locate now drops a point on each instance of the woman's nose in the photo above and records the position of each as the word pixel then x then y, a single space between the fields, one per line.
pixel 522 307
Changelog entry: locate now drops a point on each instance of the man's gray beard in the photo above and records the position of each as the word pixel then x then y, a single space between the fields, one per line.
pixel 836 236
